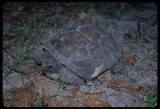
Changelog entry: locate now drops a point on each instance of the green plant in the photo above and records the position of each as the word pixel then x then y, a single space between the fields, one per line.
pixel 39 102
pixel 13 66
pixel 133 80
pixel 27 40
pixel 61 84
pixel 5 47
pixel 34 67
pixel 15 63
pixel 139 29
pixel 25 30
pixel 142 100
pixel 151 100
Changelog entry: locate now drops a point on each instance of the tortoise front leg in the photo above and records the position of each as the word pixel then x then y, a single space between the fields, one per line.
pixel 69 77
pixel 40 54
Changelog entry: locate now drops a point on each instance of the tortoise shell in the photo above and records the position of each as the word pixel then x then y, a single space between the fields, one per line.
pixel 87 50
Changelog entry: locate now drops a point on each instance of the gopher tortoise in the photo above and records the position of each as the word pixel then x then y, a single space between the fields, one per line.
pixel 77 54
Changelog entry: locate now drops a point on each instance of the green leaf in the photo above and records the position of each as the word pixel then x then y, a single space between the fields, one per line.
pixel 7 60
pixel 139 29
pixel 34 66
pixel 142 100
pixel 151 103
pixel 15 63
pixel 36 97
pixel 40 105
pixel 8 51
pixel 151 99
pixel 20 71
pixel 60 85
pixel 39 102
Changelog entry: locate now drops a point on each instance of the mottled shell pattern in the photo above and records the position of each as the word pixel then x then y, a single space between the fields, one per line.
pixel 87 50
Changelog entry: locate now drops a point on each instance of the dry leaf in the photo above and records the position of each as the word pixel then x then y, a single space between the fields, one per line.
pixel 115 83
pixel 96 79
pixel 131 88
pixel 73 92
pixel 13 49
pixel 70 103
pixel 100 103
pixel 43 42
pixel 40 84
pixel 92 95
pixel 129 57
pixel 30 90
pixel 90 98
pixel 21 99
pixel 83 17
pixel 38 69
pixel 104 78
pixel 58 102
pixel 140 88
pixel 88 102
pixel 96 103
pixel 46 100
pixel 104 103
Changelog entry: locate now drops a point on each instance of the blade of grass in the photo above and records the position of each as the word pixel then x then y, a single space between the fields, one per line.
pixel 40 102
pixel 34 66
pixel 60 85
pixel 151 99
pixel 15 63
pixel 152 102
pixel 19 59
pixel 42 97
pixel 139 29
pixel 142 100
pixel 36 97
pixel 8 51
pixel 20 71
pixel 7 60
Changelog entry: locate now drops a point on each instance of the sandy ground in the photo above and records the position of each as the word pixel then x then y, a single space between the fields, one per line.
pixel 134 28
